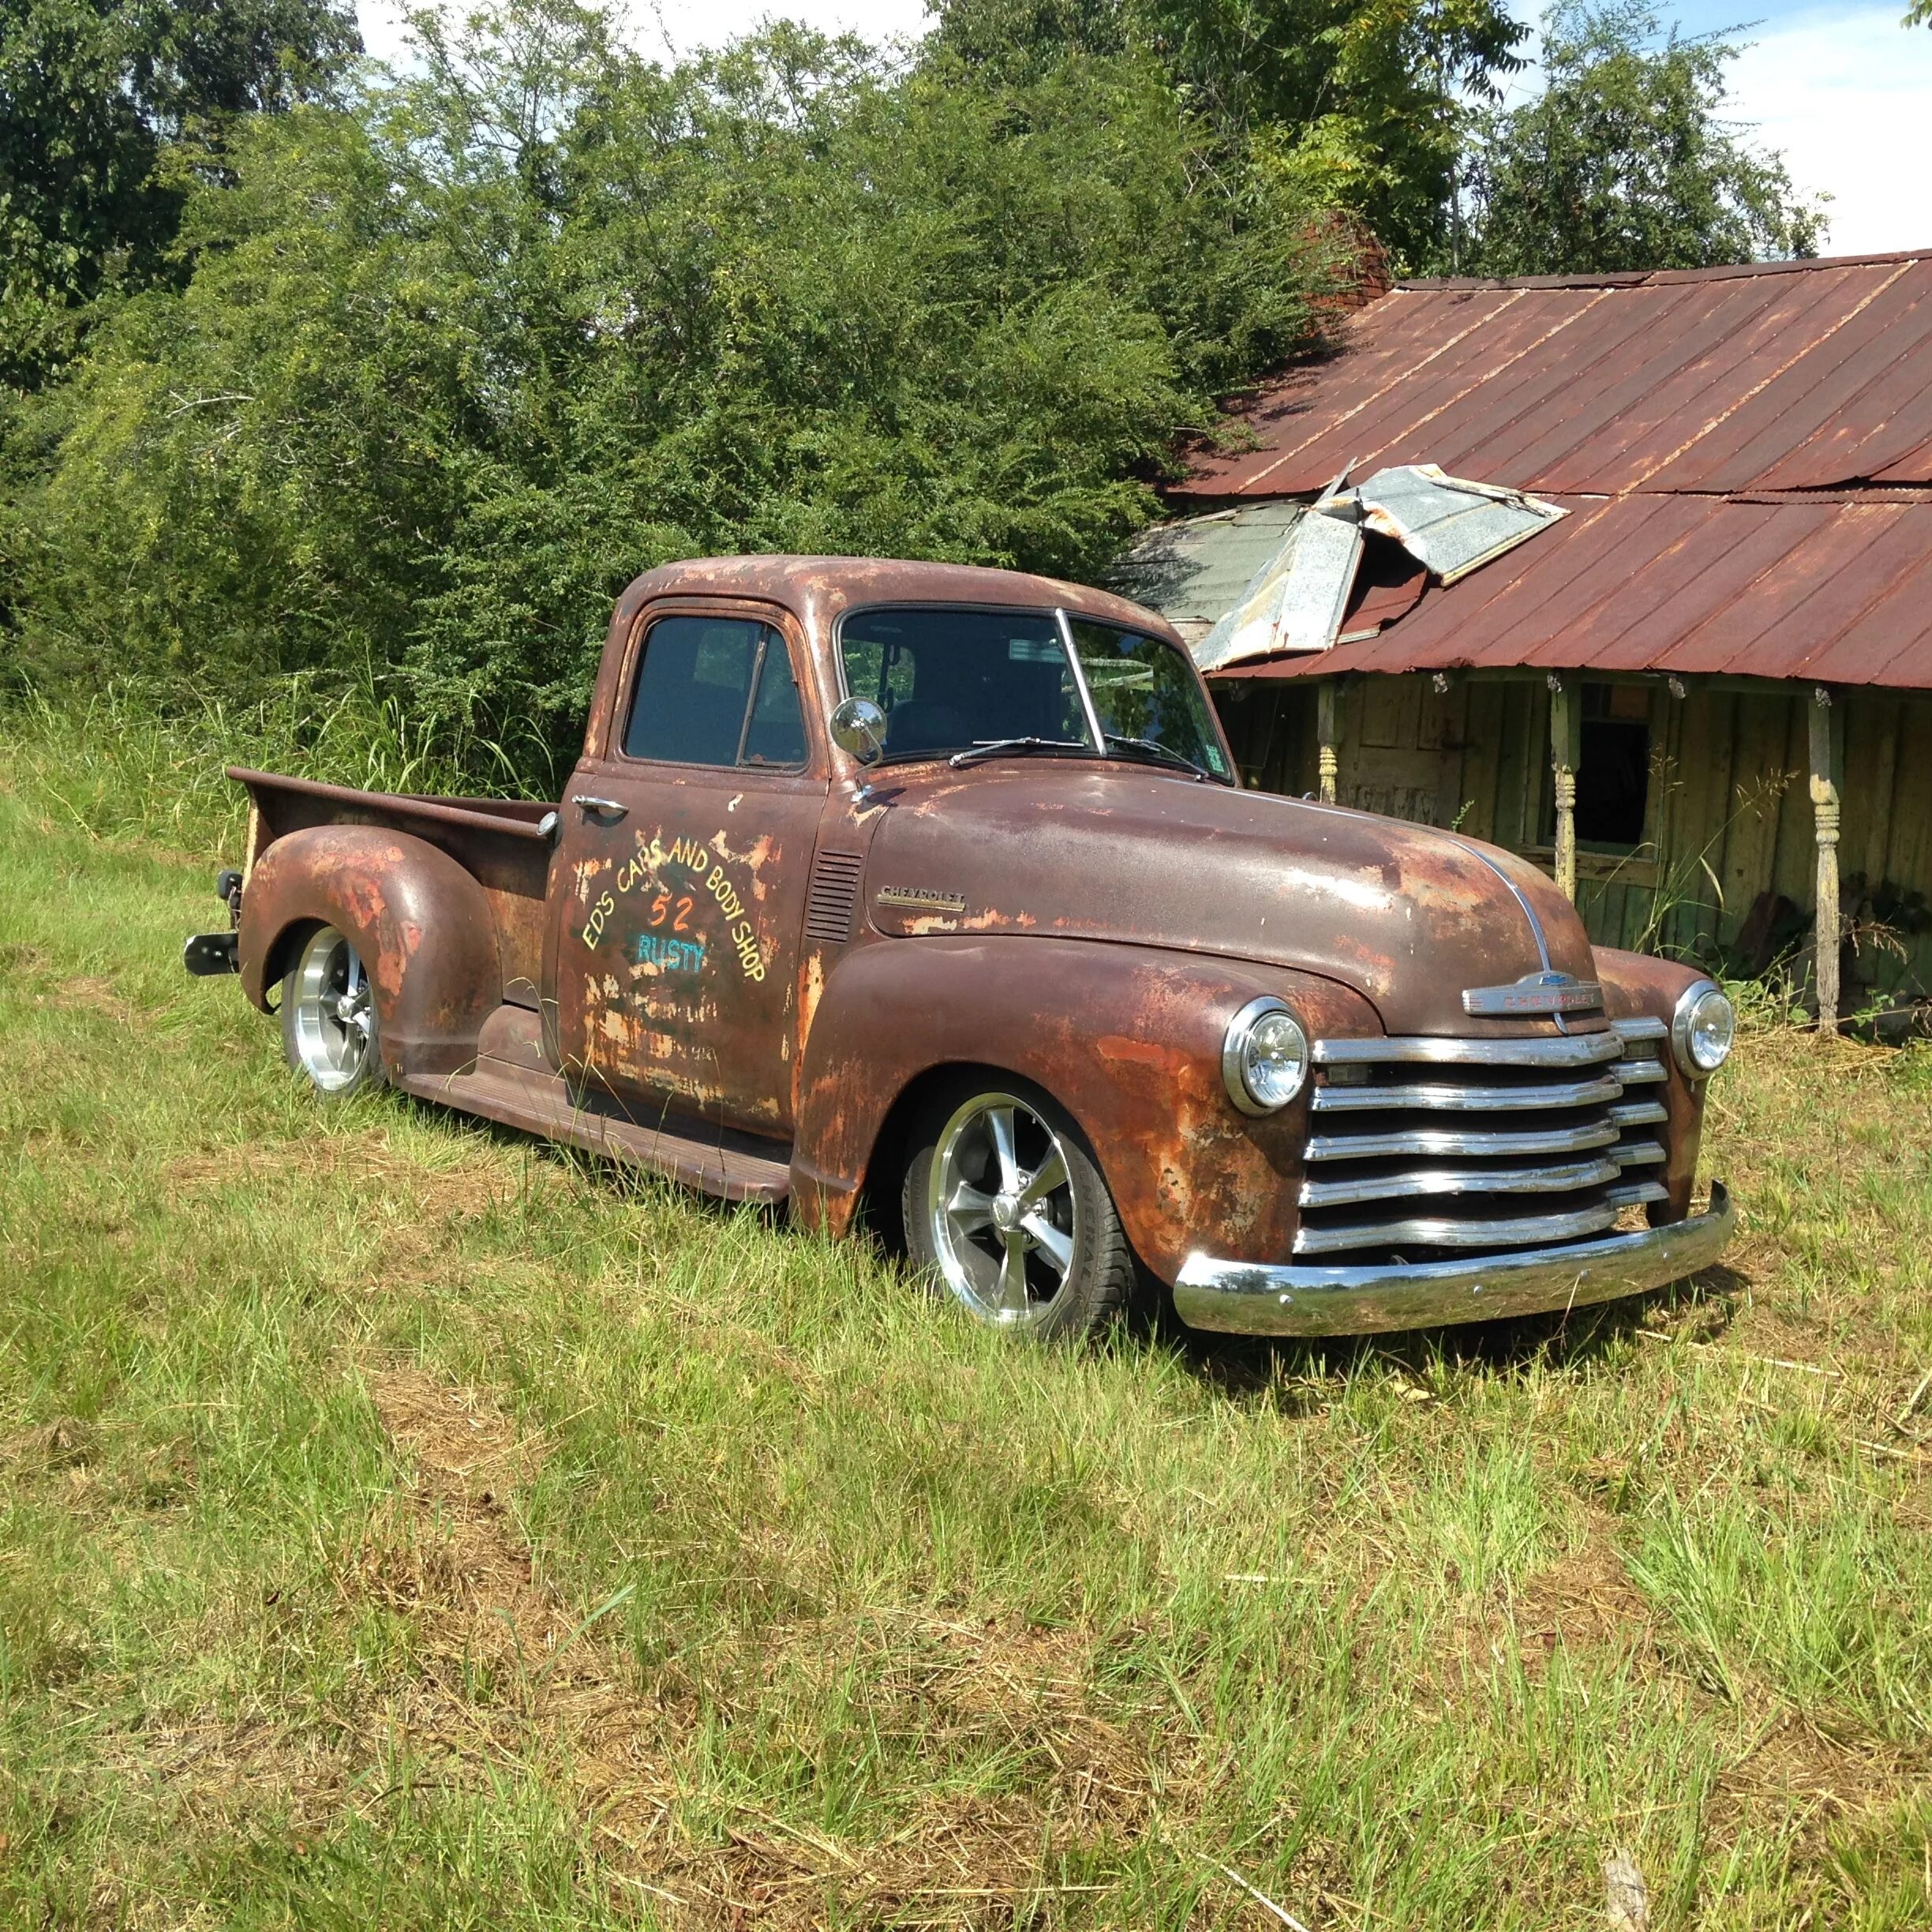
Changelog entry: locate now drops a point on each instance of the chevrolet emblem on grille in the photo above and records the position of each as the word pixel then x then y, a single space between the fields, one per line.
pixel 1534 993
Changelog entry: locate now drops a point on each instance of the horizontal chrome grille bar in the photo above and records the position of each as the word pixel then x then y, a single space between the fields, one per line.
pixel 1643 1027
pixel 1573 1049
pixel 1469 1099
pixel 1638 1154
pixel 1521 1231
pixel 1635 1072
pixel 1468 1141
pixel 1634 1193
pixel 1462 1181
pixel 1639 1113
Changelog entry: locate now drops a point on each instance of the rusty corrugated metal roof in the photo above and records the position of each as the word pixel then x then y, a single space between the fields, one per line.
pixel 1837 591
pixel 1744 449
pixel 1783 375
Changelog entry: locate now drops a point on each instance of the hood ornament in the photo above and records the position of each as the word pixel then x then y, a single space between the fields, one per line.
pixel 1534 993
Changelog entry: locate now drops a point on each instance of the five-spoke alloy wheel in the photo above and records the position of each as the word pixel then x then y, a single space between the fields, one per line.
pixel 1004 1203
pixel 328 1015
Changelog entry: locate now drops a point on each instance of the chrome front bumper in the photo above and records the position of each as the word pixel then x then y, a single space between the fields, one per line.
pixel 1252 1298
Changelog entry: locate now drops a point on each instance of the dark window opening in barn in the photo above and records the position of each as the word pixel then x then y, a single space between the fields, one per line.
pixel 1613 780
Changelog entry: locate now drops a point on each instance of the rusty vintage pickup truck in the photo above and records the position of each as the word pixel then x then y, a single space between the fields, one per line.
pixel 935 889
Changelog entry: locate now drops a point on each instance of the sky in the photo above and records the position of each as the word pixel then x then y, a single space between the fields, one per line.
pixel 1845 90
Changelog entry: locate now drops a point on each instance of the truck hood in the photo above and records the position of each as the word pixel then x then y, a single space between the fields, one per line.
pixel 1404 914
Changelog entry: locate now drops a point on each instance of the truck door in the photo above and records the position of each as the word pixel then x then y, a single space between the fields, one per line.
pixel 686 855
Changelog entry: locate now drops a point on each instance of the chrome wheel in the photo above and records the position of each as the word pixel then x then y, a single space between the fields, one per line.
pixel 329 1017
pixel 1001 1211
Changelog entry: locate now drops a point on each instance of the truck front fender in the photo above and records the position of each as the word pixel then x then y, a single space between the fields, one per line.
pixel 421 922
pixel 1638 986
pixel 1127 1038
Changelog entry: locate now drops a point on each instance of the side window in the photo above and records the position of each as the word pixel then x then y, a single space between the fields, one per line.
pixel 775 732
pixel 715 691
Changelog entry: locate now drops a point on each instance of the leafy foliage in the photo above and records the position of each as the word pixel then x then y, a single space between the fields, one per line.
pixel 1365 102
pixel 452 367
pixel 1623 162
pixel 104 109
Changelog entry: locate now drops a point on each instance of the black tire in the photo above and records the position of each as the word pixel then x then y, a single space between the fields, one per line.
pixel 330 1033
pixel 1060 1268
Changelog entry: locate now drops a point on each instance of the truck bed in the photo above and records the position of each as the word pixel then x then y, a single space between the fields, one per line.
pixel 505 843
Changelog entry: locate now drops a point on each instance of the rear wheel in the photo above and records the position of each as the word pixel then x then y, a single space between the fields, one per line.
pixel 328 1015
pixel 1003 1204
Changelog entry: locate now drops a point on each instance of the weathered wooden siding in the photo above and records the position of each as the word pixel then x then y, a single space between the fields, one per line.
pixel 1729 813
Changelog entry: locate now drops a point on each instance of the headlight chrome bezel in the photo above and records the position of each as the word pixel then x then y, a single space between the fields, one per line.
pixel 1683 1029
pixel 1234 1050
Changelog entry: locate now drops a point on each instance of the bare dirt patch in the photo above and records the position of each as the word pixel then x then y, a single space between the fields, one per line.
pixel 1585 1600
pixel 91 993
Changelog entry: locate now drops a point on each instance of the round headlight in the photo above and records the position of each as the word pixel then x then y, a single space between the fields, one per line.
pixel 1264 1058
pixel 1702 1029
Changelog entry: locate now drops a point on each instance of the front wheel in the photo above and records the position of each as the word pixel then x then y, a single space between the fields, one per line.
pixel 328 1016
pixel 1005 1205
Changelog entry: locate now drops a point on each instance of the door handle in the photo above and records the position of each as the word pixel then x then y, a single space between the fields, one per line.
pixel 600 807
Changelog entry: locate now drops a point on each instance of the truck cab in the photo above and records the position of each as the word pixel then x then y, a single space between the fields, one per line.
pixel 937 887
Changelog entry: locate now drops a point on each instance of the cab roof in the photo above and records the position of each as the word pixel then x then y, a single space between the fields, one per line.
pixel 819 590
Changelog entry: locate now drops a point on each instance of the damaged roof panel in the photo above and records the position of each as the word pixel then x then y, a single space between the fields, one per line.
pixel 1449 524
pixel 1194 571
pixel 1695 381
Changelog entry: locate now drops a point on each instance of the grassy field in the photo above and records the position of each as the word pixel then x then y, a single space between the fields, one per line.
pixel 404 1524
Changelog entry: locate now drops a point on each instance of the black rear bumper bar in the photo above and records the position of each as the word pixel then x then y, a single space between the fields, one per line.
pixel 208 955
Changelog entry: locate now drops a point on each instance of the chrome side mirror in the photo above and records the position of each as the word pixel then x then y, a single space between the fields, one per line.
pixel 858 726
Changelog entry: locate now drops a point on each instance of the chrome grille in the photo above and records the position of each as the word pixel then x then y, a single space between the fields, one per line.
pixel 1480 1145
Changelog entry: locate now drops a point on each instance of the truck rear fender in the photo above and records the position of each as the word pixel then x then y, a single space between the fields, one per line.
pixel 1128 1039
pixel 421 922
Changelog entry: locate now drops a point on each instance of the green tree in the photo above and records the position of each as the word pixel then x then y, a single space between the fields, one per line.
pixel 453 366
pixel 106 107
pixel 1623 162
pixel 1365 104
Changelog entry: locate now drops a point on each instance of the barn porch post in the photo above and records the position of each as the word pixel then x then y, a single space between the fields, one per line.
pixel 1328 734
pixel 1566 722
pixel 1827 757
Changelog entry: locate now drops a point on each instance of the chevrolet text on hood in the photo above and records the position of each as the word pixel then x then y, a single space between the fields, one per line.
pixel 934 890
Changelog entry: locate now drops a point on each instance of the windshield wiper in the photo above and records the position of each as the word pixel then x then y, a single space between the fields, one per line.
pixel 1162 754
pixel 996 747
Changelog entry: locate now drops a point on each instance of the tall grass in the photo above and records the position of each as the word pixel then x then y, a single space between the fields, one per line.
pixel 402 1524
pixel 136 762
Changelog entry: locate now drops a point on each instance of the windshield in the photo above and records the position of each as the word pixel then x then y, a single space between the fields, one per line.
pixel 1145 693
pixel 951 680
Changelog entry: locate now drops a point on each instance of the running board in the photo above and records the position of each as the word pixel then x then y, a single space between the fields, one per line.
pixel 732 1166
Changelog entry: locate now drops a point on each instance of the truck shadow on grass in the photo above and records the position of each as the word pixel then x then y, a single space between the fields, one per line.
pixel 1242 1368
pixel 1250 1368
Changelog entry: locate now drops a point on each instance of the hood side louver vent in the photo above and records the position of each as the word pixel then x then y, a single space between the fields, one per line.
pixel 833 897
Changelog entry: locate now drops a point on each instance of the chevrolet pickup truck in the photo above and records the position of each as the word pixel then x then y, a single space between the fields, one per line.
pixel 934 890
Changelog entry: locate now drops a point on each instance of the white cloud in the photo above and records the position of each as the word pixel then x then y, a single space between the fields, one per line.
pixel 1846 93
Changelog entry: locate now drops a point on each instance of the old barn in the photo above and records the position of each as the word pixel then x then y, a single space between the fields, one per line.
pixel 1702 696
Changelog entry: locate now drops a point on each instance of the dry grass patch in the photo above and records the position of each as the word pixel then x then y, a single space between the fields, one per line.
pixel 499 1661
